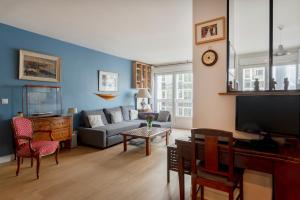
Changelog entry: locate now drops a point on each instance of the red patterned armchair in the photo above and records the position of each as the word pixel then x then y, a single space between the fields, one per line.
pixel 26 147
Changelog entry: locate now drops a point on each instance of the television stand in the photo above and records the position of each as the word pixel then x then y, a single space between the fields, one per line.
pixel 266 144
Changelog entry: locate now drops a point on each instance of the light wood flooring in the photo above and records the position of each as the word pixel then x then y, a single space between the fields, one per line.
pixel 89 173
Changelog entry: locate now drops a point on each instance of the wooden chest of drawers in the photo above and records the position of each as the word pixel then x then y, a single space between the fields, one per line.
pixel 61 127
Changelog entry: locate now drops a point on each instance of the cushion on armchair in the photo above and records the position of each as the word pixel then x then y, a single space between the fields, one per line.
pixel 163 116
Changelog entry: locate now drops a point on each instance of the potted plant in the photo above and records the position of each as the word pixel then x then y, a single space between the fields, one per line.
pixel 149 119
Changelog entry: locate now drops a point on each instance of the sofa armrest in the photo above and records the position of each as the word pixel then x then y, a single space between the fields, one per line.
pixel 92 137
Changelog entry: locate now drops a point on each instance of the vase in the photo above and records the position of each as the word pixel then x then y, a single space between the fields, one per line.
pixel 149 126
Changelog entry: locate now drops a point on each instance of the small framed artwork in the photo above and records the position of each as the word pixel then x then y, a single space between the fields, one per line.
pixel 108 81
pixel 210 31
pixel 39 67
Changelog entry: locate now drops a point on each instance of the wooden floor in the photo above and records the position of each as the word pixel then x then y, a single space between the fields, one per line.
pixel 88 173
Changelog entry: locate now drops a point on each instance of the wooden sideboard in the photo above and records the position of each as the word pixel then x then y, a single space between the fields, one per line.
pixel 284 165
pixel 61 127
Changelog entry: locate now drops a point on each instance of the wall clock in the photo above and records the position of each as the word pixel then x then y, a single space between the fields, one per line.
pixel 209 57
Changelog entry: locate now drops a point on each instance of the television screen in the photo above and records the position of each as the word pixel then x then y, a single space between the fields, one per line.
pixel 270 114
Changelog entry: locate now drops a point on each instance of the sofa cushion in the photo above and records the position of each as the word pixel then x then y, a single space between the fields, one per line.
pixel 163 116
pixel 108 112
pixel 126 111
pixel 134 114
pixel 116 116
pixel 114 129
pixel 85 114
pixel 95 120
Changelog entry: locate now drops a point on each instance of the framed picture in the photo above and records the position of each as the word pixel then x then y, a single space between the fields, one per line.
pixel 39 67
pixel 108 81
pixel 210 31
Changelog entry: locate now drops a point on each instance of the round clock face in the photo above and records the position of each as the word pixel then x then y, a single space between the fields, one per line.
pixel 209 57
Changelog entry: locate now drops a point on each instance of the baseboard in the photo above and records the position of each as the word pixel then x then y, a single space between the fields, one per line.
pixel 7 158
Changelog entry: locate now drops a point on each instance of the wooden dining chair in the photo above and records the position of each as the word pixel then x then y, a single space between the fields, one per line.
pixel 26 147
pixel 211 168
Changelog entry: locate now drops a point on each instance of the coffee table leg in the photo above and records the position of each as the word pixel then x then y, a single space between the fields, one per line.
pixel 125 142
pixel 148 147
pixel 167 138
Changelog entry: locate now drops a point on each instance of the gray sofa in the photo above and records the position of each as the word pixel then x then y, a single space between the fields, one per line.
pixel 109 134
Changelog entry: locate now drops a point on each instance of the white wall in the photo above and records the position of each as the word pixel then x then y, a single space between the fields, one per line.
pixel 212 110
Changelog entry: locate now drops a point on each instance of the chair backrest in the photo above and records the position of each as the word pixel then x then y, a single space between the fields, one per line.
pixel 21 127
pixel 210 158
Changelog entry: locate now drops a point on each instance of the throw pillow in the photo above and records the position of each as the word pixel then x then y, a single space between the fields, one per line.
pixel 116 117
pixel 163 116
pixel 95 120
pixel 133 114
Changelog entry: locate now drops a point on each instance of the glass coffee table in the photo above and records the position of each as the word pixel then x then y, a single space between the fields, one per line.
pixel 146 134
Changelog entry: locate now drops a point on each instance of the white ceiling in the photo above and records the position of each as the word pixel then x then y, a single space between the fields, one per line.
pixel 151 31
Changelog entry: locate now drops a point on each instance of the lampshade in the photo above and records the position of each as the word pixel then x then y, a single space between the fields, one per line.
pixel 143 93
pixel 72 110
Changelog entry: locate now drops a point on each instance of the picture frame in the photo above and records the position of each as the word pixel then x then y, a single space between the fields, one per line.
pixel 210 31
pixel 39 67
pixel 108 81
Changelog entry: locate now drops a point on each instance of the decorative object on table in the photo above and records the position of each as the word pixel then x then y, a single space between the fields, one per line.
pixel 42 100
pixel 230 86
pixel 107 97
pixel 72 110
pixel 39 67
pixel 149 120
pixel 108 81
pixel 142 75
pixel 273 84
pixel 256 85
pixel 144 94
pixel 27 147
pixel 209 58
pixel 20 114
pixel 286 83
pixel 210 31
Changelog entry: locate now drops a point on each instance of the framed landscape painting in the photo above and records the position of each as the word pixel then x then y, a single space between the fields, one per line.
pixel 108 81
pixel 39 67
pixel 210 31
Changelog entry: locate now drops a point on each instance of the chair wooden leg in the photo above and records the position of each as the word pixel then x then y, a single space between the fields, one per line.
pixel 56 155
pixel 38 163
pixel 230 195
pixel 242 189
pixel 18 165
pixel 194 189
pixel 202 192
pixel 31 164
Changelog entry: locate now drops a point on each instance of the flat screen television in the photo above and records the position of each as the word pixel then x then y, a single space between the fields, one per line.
pixel 268 114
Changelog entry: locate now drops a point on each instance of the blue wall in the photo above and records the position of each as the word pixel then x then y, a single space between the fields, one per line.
pixel 79 76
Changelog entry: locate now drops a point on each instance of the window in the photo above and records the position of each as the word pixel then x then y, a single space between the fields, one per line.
pixel 164 92
pixel 250 75
pixel 184 91
pixel 174 93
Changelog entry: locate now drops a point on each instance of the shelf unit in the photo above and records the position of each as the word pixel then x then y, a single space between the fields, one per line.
pixel 142 75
